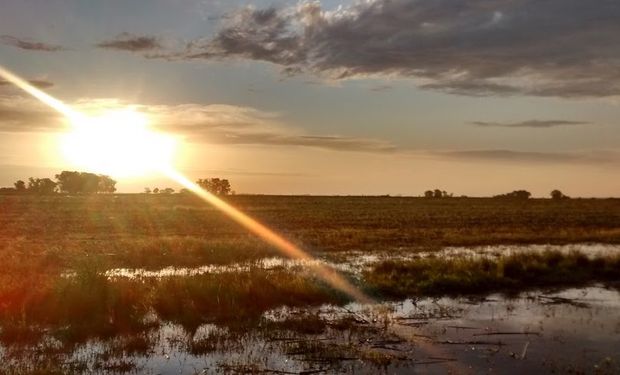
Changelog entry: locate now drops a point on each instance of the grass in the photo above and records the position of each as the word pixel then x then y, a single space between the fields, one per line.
pixel 436 276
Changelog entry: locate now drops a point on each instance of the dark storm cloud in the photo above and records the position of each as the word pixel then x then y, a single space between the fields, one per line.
pixel 530 124
pixel 29 44
pixel 559 48
pixel 131 43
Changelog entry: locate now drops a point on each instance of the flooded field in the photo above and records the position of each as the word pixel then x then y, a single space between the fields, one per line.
pixel 575 330
pixel 164 285
pixel 542 330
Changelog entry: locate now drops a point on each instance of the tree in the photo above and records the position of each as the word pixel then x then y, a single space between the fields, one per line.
pixel 437 193
pixel 558 195
pixel 20 186
pixel 41 186
pixel 167 191
pixel 428 194
pixel 215 186
pixel 517 194
pixel 147 190
pixel 85 183
pixel 69 182
pixel 106 184
pixel 156 191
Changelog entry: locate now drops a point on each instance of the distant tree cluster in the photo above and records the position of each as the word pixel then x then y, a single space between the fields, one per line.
pixel 437 194
pixel 217 186
pixel 66 182
pixel 165 191
pixel 557 195
pixel 42 186
pixel 517 195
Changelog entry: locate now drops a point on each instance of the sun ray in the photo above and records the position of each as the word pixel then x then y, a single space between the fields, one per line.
pixel 45 98
pixel 286 247
pixel 327 274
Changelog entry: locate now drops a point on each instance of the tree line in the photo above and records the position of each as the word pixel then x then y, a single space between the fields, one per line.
pixel 67 182
pixel 73 182
pixel 513 195
pixel 216 186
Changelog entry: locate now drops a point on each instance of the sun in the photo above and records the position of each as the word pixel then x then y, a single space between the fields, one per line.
pixel 118 143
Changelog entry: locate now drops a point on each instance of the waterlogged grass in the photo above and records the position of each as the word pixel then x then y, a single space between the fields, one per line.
pixel 87 305
pixel 237 298
pixel 437 276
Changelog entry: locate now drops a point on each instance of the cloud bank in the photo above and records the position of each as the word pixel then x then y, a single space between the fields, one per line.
pixel 557 48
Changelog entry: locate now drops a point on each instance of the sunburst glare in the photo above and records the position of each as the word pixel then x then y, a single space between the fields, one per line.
pixel 118 142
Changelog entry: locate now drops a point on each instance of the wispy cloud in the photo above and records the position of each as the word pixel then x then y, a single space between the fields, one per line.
pixel 226 124
pixel 537 124
pixel 583 157
pixel 40 83
pixel 557 48
pixel 20 114
pixel 29 44
pixel 132 43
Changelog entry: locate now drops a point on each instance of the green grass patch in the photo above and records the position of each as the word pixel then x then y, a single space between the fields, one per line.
pixel 437 276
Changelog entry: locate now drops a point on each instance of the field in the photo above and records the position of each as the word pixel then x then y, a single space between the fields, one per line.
pixel 117 283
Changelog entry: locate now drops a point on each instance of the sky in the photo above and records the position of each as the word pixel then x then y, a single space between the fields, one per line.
pixel 476 97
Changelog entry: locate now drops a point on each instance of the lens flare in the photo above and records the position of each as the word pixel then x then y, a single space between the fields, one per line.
pixel 81 121
pixel 287 248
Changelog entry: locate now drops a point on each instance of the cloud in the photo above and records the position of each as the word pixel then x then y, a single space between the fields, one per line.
pixel 556 48
pixel 40 83
pixel 227 124
pixel 539 124
pixel 589 157
pixel 29 44
pixel 20 114
pixel 132 43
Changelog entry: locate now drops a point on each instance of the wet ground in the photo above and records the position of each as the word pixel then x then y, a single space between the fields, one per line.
pixel 546 331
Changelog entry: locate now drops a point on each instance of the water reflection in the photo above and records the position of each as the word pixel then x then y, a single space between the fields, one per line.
pixel 574 330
